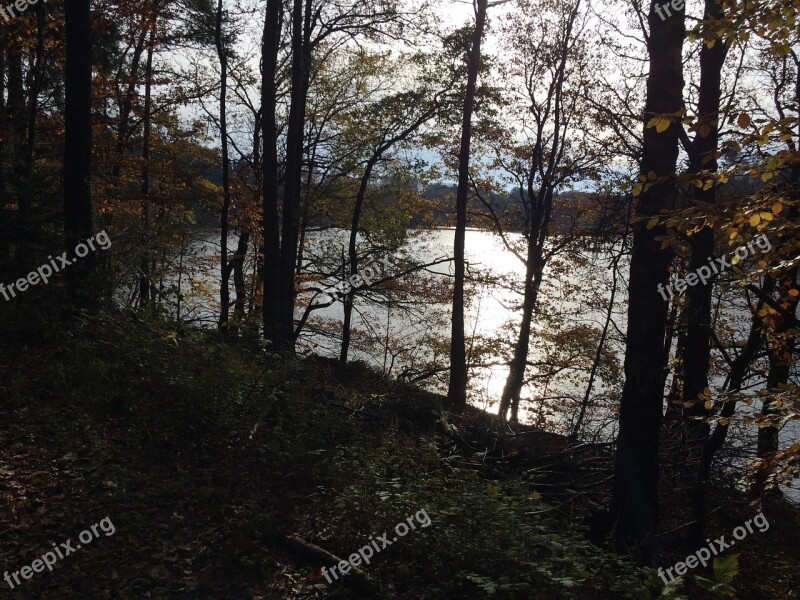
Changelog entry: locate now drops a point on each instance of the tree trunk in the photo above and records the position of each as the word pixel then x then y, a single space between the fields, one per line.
pixel 697 313
pixel 599 353
pixel 714 442
pixel 269 179
pixel 26 136
pixel 780 350
pixel 353 256
pixel 126 109
pixel 238 276
pixel 294 162
pixel 225 271
pixel 16 128
pixel 78 144
pixel 457 390
pixel 5 255
pixel 785 338
pixel 145 282
pixel 534 271
pixel 634 503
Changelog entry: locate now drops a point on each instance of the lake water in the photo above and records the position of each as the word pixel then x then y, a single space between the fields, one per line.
pixel 405 327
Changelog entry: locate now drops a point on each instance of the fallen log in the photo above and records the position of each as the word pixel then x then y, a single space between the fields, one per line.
pixel 356 577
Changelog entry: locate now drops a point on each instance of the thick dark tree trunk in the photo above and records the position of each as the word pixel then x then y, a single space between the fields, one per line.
pixel 301 74
pixel 5 255
pixel 26 136
pixel 457 390
pixel 269 180
pixel 634 503
pixel 78 142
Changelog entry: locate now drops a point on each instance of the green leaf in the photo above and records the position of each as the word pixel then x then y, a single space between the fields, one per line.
pixel 726 568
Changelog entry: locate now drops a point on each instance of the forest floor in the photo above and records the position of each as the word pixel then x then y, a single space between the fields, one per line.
pixel 208 463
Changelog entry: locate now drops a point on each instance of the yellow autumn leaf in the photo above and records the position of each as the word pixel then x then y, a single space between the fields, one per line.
pixel 662 126
pixel 637 189
pixel 755 220
pixel 777 208
pixel 707 404
pixel 766 216
pixel 652 222
pixel 794 293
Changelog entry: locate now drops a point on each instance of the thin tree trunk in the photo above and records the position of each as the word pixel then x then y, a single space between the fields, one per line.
pixel 534 272
pixel 126 109
pixel 301 243
pixel 144 241
pixel 599 353
pixel 780 353
pixel 353 256
pixel 717 438
pixel 238 276
pixel 15 144
pixel 457 390
pixel 697 343
pixel 225 270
